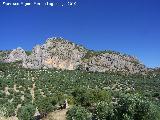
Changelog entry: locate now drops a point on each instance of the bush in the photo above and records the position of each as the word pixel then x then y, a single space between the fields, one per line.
pixel 87 98
pixel 70 100
pixel 103 111
pixel 26 112
pixel 78 113
pixel 135 107
pixel 7 109
pixel 28 53
pixel 128 107
pixel 46 105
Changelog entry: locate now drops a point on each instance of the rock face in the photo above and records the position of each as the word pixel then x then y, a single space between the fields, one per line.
pixel 16 55
pixel 55 53
pixel 111 61
pixel 62 54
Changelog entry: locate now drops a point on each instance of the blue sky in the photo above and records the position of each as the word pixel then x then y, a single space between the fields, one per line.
pixel 128 26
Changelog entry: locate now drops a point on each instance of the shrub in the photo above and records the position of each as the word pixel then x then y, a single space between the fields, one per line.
pixel 103 111
pixel 78 113
pixel 7 109
pixel 26 112
pixel 71 100
pixel 87 98
pixel 46 104
pixel 135 107
pixel 128 107
pixel 28 53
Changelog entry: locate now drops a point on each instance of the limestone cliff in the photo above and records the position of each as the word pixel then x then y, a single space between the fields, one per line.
pixel 62 54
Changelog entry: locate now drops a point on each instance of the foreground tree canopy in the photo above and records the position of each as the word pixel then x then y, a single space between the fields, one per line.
pixel 92 96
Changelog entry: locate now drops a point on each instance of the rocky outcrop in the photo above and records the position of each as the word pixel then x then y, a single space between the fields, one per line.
pixel 62 54
pixel 55 53
pixel 16 55
pixel 113 62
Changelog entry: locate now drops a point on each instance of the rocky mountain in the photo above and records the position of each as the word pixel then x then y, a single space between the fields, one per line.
pixel 63 54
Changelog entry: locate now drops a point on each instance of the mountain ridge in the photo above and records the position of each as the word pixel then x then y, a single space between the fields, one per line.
pixel 62 54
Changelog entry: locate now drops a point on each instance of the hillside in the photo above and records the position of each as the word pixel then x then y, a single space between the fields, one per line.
pixel 53 86
pixel 92 83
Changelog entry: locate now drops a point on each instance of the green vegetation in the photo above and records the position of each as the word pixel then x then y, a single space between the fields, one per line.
pixel 126 107
pixel 3 54
pixel 26 112
pixel 93 96
pixel 78 113
pixel 91 53
pixel 28 53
